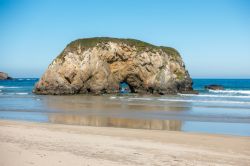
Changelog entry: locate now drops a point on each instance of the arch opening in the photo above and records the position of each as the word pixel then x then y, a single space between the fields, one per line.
pixel 125 88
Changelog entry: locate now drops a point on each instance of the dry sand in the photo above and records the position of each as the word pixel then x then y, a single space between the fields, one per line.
pixel 28 143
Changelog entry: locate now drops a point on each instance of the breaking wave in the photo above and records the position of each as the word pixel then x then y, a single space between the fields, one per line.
pixel 234 92
pixel 215 96
pixel 205 101
pixel 8 87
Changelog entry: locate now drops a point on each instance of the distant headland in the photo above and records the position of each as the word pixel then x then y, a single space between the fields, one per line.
pixel 4 76
pixel 101 65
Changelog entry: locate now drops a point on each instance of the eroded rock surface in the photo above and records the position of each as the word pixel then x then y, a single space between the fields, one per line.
pixel 98 65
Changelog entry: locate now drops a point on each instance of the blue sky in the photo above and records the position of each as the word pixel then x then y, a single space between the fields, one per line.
pixel 212 36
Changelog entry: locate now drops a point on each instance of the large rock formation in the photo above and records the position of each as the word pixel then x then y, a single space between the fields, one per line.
pixel 4 76
pixel 99 65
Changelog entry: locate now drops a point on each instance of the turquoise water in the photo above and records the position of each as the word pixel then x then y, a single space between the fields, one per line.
pixel 220 112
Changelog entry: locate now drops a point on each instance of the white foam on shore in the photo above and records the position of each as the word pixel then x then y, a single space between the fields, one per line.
pixel 205 101
pixel 213 96
pixel 22 93
pixel 17 93
pixel 190 100
pixel 245 92
pixel 8 87
pixel 138 98
pixel 27 79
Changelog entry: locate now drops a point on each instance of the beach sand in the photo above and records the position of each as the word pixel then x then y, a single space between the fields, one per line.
pixel 39 144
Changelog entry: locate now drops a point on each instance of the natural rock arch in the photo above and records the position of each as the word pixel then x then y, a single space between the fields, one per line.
pixel 98 65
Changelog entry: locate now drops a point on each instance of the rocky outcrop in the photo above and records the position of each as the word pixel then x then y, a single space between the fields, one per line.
pixel 4 76
pixel 214 87
pixel 99 65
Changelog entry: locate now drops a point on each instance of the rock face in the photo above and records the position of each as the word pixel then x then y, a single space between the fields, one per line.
pixel 4 76
pixel 99 65
pixel 214 87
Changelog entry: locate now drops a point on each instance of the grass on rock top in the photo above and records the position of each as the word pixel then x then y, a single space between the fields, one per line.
pixel 139 45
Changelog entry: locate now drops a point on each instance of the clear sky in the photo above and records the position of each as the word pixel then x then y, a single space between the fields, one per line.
pixel 212 36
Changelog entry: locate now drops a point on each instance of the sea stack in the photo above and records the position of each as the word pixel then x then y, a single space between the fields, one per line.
pixel 214 87
pixel 100 65
pixel 4 76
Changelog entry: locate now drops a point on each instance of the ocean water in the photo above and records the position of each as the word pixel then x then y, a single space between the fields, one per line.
pixel 218 112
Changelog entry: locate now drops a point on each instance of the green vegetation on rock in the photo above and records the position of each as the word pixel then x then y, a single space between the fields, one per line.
pixel 139 45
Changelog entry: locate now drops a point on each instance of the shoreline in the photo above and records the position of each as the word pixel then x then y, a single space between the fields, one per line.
pixel 32 143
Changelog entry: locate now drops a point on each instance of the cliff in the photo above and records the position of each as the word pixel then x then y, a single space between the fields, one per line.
pixel 99 65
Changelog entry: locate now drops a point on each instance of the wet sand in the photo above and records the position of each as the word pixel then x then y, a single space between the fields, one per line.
pixel 29 143
pixel 139 112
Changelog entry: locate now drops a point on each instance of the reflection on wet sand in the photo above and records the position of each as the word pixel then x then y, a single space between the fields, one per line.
pixel 104 103
pixel 101 121
pixel 105 111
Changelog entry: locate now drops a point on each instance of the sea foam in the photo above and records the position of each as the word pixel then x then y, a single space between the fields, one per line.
pixel 214 96
pixel 22 93
pixel 8 87
pixel 205 101
pixel 245 92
